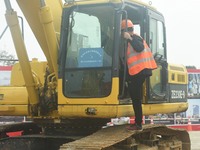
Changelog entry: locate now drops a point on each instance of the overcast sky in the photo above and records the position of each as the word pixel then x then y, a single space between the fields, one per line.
pixel 183 30
pixel 182 25
pixel 6 43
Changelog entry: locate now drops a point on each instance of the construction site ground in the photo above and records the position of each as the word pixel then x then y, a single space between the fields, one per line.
pixel 195 138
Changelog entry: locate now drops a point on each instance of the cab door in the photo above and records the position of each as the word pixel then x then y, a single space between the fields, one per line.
pixel 157 42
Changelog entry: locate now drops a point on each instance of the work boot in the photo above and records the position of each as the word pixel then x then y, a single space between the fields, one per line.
pixel 134 127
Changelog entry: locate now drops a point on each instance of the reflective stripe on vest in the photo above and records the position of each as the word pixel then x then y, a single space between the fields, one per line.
pixel 138 61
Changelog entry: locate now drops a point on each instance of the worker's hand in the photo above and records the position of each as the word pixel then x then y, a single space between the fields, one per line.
pixel 127 36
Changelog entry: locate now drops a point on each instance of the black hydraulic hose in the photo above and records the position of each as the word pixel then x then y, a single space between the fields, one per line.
pixel 125 59
pixel 42 3
pixel 8 5
pixel 3 32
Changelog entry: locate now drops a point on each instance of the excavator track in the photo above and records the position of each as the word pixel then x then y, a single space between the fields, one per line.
pixel 152 137
pixel 31 137
pixel 18 126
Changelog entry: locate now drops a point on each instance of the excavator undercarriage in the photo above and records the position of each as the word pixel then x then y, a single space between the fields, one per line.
pixel 152 137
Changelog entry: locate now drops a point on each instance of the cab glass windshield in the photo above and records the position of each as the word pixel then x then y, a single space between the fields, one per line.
pixel 89 52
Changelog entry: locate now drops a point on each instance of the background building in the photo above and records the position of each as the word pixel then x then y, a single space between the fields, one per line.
pixel 5 75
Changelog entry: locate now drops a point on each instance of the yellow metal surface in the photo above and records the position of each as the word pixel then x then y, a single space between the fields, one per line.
pixel 14 101
pixel 155 79
pixel 14 110
pixel 112 111
pixel 108 1
pixel 46 19
pixel 7 109
pixel 12 21
pixel 13 96
pixel 177 74
pixel 38 68
pixel 111 99
pixel 103 111
pixel 164 108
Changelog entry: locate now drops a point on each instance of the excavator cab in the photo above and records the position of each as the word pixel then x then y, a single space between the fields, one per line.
pixel 92 55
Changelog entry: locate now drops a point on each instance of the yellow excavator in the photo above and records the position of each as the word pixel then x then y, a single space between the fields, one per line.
pixel 82 85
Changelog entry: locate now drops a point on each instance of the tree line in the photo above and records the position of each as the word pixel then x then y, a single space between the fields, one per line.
pixel 6 59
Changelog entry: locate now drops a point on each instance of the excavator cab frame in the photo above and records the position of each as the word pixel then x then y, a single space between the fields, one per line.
pixel 98 80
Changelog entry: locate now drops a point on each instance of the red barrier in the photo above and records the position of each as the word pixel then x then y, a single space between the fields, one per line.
pixel 191 127
pixel 132 120
pixel 12 134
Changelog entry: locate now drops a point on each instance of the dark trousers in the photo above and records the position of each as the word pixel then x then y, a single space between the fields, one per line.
pixel 135 87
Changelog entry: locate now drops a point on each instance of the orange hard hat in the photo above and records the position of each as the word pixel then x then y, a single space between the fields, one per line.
pixel 129 24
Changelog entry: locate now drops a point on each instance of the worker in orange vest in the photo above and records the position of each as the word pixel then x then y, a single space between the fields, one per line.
pixel 140 63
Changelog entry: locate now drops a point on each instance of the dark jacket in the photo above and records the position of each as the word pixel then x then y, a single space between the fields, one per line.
pixel 137 43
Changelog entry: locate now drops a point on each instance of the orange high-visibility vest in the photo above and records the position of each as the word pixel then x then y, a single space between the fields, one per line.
pixel 138 61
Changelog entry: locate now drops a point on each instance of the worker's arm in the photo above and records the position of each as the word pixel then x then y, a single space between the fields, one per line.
pixel 135 41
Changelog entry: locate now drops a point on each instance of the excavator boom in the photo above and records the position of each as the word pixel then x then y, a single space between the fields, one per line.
pixel 44 18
